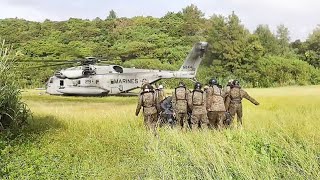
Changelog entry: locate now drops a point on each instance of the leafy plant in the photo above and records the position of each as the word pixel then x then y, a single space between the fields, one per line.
pixel 13 112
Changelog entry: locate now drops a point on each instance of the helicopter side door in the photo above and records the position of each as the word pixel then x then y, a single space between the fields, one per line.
pixel 120 83
pixel 114 85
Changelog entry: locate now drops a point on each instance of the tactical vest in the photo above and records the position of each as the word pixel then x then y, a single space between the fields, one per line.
pixel 160 94
pixel 181 93
pixel 148 100
pixel 219 93
pixel 235 96
pixel 197 101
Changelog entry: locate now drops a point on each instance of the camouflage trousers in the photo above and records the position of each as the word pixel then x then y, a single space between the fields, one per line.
pixel 182 119
pixel 197 120
pixel 236 108
pixel 216 119
pixel 150 122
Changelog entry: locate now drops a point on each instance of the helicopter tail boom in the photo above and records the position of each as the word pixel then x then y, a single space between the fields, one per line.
pixel 177 74
pixel 194 57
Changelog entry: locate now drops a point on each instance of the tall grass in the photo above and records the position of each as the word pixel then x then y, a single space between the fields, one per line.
pixel 13 112
pixel 100 138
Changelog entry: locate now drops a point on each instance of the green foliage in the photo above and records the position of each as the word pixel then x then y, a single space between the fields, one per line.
pixel 312 54
pixel 283 71
pixel 267 39
pixel 234 52
pixel 112 15
pixel 283 39
pixel 193 20
pixel 227 41
pixel 13 112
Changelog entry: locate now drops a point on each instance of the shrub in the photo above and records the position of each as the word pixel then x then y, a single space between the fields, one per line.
pixel 275 71
pixel 13 112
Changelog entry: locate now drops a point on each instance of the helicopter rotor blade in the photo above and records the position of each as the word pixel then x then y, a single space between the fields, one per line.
pixel 50 65
pixel 46 61
pixel 118 59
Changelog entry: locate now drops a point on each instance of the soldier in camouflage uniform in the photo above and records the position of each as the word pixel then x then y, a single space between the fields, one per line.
pixel 160 93
pixel 197 103
pixel 234 100
pixel 226 90
pixel 144 84
pixel 215 105
pixel 205 88
pixel 148 101
pixel 180 104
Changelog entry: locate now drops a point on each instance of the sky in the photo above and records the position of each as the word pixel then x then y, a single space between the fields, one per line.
pixel 300 16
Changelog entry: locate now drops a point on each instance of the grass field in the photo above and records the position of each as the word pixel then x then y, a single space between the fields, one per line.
pixel 100 138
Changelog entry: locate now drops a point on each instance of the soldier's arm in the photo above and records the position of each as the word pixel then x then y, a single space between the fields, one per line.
pixel 139 105
pixel 173 101
pixel 157 101
pixel 163 104
pixel 189 105
pixel 227 102
pixel 205 97
pixel 156 94
pixel 224 93
pixel 244 94
pixel 189 100
pixel 208 99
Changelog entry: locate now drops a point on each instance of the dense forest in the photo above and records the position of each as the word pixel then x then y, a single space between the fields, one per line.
pixel 260 58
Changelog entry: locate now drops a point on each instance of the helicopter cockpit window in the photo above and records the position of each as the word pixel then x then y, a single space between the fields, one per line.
pixel 118 69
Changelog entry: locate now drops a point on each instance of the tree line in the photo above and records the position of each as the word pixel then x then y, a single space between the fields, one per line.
pixel 259 59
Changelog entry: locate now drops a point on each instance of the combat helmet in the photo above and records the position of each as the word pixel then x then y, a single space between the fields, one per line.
pixel 213 81
pixel 236 83
pixel 182 84
pixel 147 88
pixel 197 86
pixel 230 82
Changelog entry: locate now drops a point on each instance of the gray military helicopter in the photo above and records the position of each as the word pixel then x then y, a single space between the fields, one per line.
pixel 90 79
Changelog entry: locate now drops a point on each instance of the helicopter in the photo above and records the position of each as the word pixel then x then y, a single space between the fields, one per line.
pixel 90 79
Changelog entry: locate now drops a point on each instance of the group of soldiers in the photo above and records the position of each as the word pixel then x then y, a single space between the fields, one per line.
pixel 211 106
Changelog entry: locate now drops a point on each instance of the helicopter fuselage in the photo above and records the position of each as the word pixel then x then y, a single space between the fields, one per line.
pixel 91 79
pixel 74 82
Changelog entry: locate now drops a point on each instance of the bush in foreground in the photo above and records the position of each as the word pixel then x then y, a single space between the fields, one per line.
pixel 13 112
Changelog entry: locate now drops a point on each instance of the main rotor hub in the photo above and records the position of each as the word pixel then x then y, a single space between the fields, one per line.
pixel 89 61
pixel 88 69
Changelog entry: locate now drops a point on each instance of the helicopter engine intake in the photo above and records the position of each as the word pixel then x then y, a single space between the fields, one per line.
pixel 60 75
pixel 72 74
pixel 88 70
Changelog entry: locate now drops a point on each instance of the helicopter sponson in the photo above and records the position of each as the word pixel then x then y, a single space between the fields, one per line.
pixel 91 79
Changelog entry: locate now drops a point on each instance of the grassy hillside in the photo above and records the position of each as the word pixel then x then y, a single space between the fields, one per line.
pixel 100 138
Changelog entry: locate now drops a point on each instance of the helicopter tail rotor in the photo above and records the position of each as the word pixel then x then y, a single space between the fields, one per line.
pixel 195 57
